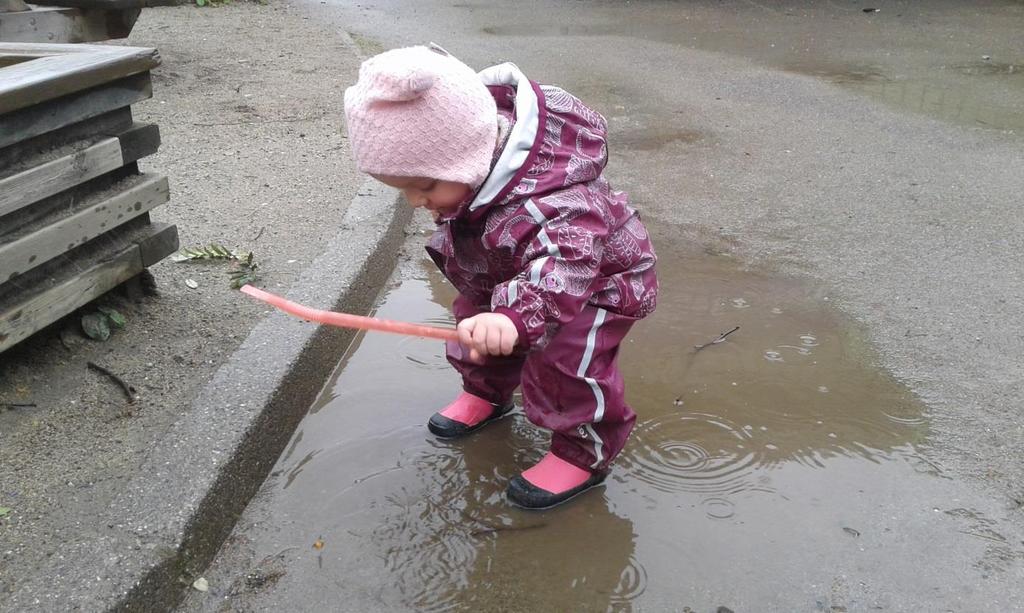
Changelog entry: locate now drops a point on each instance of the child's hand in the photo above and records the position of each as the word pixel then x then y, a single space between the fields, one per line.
pixel 488 334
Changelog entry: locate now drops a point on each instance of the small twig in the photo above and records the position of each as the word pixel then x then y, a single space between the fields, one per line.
pixel 258 235
pixel 275 555
pixel 487 527
pixel 129 391
pixel 492 529
pixel 720 338
pixel 19 405
pixel 983 536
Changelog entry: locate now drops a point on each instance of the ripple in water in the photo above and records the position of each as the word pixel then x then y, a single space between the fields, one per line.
pixel 631 585
pixel 426 540
pixel 693 452
pixel 718 508
pixel 424 354
pixel 799 350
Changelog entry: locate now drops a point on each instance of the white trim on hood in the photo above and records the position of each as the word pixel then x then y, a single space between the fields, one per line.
pixel 520 139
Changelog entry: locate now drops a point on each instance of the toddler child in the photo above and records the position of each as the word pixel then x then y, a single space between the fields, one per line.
pixel 552 266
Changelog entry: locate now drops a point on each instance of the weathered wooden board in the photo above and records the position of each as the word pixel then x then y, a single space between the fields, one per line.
pixel 107 124
pixel 141 141
pixel 27 314
pixel 26 219
pixel 44 50
pixel 11 6
pixel 40 246
pixel 53 24
pixel 161 243
pixel 109 4
pixel 48 116
pixel 20 320
pixel 47 179
pixel 51 76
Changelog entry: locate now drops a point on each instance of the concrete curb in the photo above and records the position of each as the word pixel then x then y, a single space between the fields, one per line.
pixel 173 516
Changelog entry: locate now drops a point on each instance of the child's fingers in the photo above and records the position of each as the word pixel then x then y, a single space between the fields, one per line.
pixel 508 343
pixel 494 341
pixel 465 330
pixel 475 357
pixel 480 338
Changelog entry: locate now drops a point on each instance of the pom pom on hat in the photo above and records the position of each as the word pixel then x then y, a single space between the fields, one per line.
pixel 419 112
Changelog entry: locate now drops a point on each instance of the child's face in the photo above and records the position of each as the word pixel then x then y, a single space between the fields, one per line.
pixel 438 197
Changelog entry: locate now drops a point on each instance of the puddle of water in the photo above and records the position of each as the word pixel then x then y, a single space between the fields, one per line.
pixel 653 138
pixel 982 93
pixel 953 93
pixel 839 73
pixel 989 68
pixel 772 436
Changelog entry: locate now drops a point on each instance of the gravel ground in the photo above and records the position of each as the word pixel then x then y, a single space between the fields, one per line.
pixel 249 105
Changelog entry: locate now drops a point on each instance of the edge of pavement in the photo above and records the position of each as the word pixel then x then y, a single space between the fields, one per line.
pixel 174 514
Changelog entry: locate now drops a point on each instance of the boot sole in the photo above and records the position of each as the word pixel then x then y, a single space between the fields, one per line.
pixel 587 485
pixel 445 431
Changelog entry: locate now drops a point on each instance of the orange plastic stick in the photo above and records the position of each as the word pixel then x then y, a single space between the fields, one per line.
pixel 346 320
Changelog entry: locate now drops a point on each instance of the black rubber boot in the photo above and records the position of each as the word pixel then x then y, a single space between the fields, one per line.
pixel 443 427
pixel 524 494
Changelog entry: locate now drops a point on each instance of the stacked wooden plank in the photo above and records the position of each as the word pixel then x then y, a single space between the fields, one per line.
pixel 74 208
pixel 70 21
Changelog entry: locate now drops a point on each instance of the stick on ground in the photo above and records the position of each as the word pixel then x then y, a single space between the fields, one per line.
pixel 129 391
pixel 720 338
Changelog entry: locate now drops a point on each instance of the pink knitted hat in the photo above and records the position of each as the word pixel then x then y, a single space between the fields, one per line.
pixel 419 112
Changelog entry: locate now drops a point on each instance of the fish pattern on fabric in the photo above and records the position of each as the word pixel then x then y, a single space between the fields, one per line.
pixel 557 237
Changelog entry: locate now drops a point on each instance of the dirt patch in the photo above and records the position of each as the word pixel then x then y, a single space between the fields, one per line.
pixel 249 104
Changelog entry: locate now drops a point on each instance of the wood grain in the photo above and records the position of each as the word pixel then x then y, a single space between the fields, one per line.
pixel 20 319
pixel 55 176
pixel 28 312
pixel 50 241
pixel 53 24
pixel 35 120
pixel 59 72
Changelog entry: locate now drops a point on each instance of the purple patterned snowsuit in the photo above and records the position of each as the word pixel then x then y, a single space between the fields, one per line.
pixel 547 242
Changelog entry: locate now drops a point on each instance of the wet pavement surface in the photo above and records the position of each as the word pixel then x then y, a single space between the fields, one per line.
pixel 775 470
pixel 874 155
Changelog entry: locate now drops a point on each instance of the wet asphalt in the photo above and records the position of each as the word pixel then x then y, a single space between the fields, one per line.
pixel 876 156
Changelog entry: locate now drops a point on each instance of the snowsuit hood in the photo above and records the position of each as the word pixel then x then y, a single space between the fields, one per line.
pixel 545 234
pixel 533 159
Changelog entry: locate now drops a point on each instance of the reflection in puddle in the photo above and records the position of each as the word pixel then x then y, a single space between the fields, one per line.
pixel 839 73
pixel 989 68
pixel 964 104
pixel 654 138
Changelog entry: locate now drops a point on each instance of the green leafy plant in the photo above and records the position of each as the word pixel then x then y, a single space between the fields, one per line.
pixel 97 325
pixel 243 271
pixel 115 316
pixel 213 251
pixel 243 263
